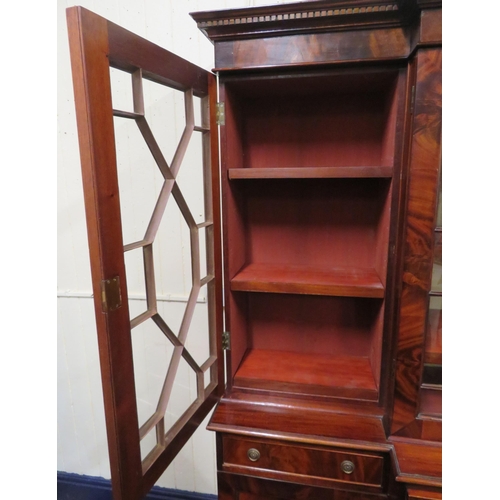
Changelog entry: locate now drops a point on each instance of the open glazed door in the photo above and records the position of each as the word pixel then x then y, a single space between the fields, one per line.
pixel 145 432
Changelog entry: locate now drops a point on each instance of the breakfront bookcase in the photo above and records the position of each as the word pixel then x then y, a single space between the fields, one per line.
pixel 325 363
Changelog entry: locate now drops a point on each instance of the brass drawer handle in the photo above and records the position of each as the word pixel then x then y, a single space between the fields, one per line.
pixel 253 454
pixel 347 467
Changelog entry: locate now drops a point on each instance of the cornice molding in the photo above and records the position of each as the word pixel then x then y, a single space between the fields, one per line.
pixel 303 17
pixel 248 19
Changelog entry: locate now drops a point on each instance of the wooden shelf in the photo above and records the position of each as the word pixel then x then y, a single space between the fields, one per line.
pixel 431 402
pixel 310 172
pixel 341 282
pixel 419 462
pixel 299 372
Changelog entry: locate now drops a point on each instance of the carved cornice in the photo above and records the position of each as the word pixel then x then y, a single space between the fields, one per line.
pixel 304 17
pixel 298 15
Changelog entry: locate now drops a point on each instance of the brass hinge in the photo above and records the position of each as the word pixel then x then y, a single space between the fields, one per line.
pixel 412 104
pixel 111 296
pixel 220 113
pixel 226 341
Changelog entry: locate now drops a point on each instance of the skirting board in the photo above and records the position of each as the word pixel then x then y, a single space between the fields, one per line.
pixel 77 487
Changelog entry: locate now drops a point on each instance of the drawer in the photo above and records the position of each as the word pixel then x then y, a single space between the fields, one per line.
pixel 302 463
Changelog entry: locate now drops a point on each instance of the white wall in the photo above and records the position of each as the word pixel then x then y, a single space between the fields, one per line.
pixel 81 432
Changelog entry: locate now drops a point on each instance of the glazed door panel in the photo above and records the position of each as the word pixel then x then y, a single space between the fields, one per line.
pixel 143 442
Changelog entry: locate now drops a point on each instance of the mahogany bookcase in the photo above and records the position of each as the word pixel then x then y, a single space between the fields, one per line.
pixel 329 116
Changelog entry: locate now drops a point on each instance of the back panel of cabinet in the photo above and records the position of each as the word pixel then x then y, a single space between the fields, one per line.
pixel 308 164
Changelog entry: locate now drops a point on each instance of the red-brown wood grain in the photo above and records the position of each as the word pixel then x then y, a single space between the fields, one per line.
pixel 422 428
pixel 336 125
pixel 432 429
pixel 419 462
pixel 213 155
pixel 129 51
pixel 327 375
pixel 301 402
pixel 312 324
pixel 325 223
pixel 422 199
pixel 382 359
pixel 224 490
pixel 234 230
pixel 304 464
pixel 431 402
pixel 308 172
pixel 314 155
pixel 431 26
pixel 301 420
pixel 249 496
pixel 346 282
pixel 263 217
pixel 421 493
pixel 246 487
pixel 370 45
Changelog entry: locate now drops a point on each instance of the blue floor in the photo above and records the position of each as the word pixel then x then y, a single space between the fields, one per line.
pixel 77 487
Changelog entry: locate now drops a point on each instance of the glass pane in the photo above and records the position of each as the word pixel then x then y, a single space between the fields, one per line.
pixel 168 253
pixel 437 279
pixel 432 378
pixel 439 216
pixel 433 348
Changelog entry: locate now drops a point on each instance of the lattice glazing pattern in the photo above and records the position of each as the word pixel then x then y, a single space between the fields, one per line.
pixel 170 189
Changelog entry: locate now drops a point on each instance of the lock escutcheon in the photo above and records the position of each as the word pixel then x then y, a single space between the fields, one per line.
pixel 253 454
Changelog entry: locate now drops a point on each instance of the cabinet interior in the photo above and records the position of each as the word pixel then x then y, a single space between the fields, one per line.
pixel 307 183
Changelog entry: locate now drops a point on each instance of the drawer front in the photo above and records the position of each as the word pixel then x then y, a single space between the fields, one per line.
pixel 289 461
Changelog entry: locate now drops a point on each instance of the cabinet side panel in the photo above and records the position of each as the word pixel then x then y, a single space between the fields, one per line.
pixel 213 199
pixel 233 210
pixel 234 230
pixel 401 102
pixel 418 257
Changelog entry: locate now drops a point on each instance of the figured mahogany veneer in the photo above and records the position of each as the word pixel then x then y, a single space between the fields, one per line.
pixel 320 48
pixel 326 375
pixel 246 487
pixel 350 282
pixel 424 166
pixel 299 463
